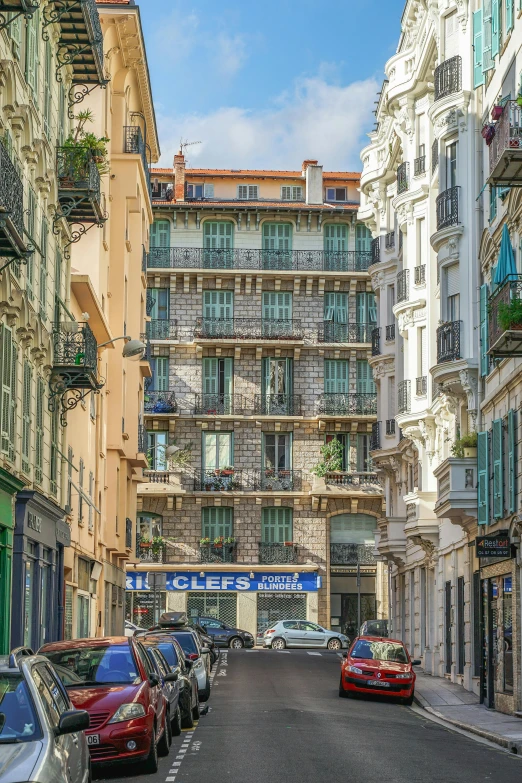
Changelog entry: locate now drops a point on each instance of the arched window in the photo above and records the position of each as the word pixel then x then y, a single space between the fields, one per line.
pixel 352 529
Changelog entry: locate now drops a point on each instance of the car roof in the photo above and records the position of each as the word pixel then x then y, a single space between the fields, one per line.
pixel 6 666
pixel 104 641
pixel 379 639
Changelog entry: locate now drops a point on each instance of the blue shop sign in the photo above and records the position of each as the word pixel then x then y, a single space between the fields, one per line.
pixel 231 582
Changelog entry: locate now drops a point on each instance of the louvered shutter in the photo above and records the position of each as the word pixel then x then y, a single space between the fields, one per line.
pixel 484 343
pixel 26 417
pixel 160 233
pixel 228 375
pixel 208 190
pixel 372 309
pixel 210 376
pixel 365 383
pixel 512 461
pixel 451 45
pixel 452 280
pixel 363 238
pixel 242 192
pixel 329 306
pixel 487 36
pixel 14 398
pixel 495 27
pixel 336 376
pixel 39 429
pixel 160 367
pixel 277 525
pixel 48 90
pixel 284 306
pixel 362 309
pixel 424 352
pixel 265 376
pixel 483 477
pixel 31 54
pixel 216 521
pixel 341 308
pixel 218 304
pixel 509 15
pixel 15 29
pixel 269 306
pixel 43 266
pixel 498 477
pixel 6 387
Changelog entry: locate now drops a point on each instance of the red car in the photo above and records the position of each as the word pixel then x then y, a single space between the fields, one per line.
pixel 114 681
pixel 377 665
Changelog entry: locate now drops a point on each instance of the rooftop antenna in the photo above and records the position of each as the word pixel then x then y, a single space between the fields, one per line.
pixel 183 144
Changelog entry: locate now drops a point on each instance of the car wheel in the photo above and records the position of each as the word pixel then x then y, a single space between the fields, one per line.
pixel 196 711
pixel 151 764
pixel 187 721
pixel 166 738
pixel 236 643
pixel 409 700
pixel 334 644
pixel 176 723
pixel 278 644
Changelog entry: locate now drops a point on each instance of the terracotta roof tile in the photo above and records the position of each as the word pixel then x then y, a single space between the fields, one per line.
pixel 268 173
pixel 235 204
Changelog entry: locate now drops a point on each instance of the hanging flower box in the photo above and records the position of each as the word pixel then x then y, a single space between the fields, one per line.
pixel 289 543
pixel 496 112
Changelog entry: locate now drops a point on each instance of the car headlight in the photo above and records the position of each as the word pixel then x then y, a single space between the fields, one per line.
pixel 355 669
pixel 405 676
pixel 128 712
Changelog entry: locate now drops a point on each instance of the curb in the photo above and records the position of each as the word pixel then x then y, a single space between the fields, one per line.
pixel 498 739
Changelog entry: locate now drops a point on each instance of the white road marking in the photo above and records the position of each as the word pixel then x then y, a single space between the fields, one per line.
pixel 283 651
pixel 310 653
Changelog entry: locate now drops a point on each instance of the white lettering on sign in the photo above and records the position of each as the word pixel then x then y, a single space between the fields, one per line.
pixel 213 583
pixel 180 582
pixel 34 522
pixel 242 583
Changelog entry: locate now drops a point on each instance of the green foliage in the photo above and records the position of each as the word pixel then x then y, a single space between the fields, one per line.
pixel 466 442
pixel 158 542
pixel 510 315
pixel 332 458
pixel 83 140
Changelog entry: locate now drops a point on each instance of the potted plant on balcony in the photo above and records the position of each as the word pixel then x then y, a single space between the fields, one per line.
pixel 145 543
pixel 204 541
pixel 496 112
pixel 82 144
pixel 230 540
pixel 509 316
pixel 288 543
pixel 158 542
pixel 228 470
pixel 218 542
pixel 465 446
pixel 332 458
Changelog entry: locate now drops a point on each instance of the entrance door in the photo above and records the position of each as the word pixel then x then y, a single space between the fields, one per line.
pixel 460 625
pixel 447 625
pixel 349 612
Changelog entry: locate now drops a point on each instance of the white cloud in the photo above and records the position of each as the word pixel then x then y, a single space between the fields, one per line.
pixel 315 119
pixel 229 53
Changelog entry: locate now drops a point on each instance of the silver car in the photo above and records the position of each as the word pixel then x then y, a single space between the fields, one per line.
pixel 41 735
pixel 302 633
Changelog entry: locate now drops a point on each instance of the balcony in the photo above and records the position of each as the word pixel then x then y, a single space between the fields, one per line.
pixel 25 7
pixel 403 286
pixel 376 250
pixel 447 207
pixel 277 554
pixel 161 329
pixel 375 438
pixel 79 186
pixel 352 554
pixel 75 366
pixel 220 480
pixel 448 342
pixel 277 405
pixel 248 329
pixel 419 274
pixel 330 332
pixel 257 258
pixel 150 552
pixel 505 335
pixel 218 553
pixel 419 166
pixel 448 77
pixel 133 144
pixel 12 241
pixel 159 402
pixel 505 150
pixel 390 426
pixel 403 178
pixel 390 333
pixel 376 341
pixel 219 405
pixel 404 397
pixel 389 240
pixel 80 40
pixel 277 480
pixel 457 490
pixel 349 404
pixel 421 386
pixel 354 480
pixel 160 477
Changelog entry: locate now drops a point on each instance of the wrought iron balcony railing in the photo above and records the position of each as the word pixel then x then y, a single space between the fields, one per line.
pixel 404 397
pixel 421 386
pixel 403 285
pixel 507 294
pixel 79 185
pixel 448 77
pixel 128 533
pixel 447 206
pixel 219 404
pixel 161 329
pixel 330 332
pixel 143 439
pixel 390 332
pixel 352 554
pixel 389 240
pixel 159 401
pixel 257 258
pixel 218 553
pixel 376 341
pixel 248 329
pixel 390 426
pixel 80 43
pixel 355 480
pixel 419 165
pixel 26 7
pixel 505 150
pixel 448 342
pixel 376 250
pixel 277 480
pixel 419 274
pixel 150 552
pixel 12 242
pixel 403 177
pixel 277 554
pixel 375 437
pixel 277 405
pixel 75 354
pixel 349 404
pixel 220 480
pixel 134 144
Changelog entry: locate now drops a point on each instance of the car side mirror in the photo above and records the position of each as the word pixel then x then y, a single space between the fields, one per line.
pixel 205 650
pixel 345 655
pixel 154 679
pixel 172 677
pixel 416 662
pixel 73 721
pixel 188 664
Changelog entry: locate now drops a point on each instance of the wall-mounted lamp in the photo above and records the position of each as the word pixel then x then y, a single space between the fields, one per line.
pixel 133 349
pixel 202 573
pixel 251 575
pixel 296 575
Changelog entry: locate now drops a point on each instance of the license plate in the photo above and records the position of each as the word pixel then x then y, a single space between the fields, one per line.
pixel 93 739
pixel 380 683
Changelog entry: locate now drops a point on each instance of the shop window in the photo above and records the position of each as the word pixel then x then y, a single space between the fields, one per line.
pixel 507 624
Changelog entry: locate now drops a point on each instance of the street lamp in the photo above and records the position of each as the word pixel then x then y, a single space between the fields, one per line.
pixel 133 349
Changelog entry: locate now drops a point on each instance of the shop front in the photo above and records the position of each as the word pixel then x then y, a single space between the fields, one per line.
pixel 246 599
pixel 40 536
pixel 9 486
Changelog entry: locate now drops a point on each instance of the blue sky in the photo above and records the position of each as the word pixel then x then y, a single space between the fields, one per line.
pixel 268 84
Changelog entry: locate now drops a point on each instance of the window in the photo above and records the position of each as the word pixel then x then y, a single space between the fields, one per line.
pixel 41 679
pixel 452 293
pixel 15 29
pixel 40 397
pixel 218 304
pixel 247 192
pixel 277 314
pixel 218 377
pixel 366 308
pixel 218 238
pixel 451 36
pixel 422 357
pixel 48 82
pixel 336 376
pixel 9 392
pixel 492 203
pixel 160 373
pixel 277 246
pixel 451 165
pixel 336 194
pixel 365 382
pixel 335 317
pixel 31 53
pixel 26 417
pixel 363 238
pixel 216 522
pixel 44 234
pixel 277 451
pixel 55 445
pixel 344 440
pixel 291 193
pixel 364 462
pixel 277 376
pixel 218 450
pixel 200 191
pixel 160 300
pixel 160 234
pixel 277 525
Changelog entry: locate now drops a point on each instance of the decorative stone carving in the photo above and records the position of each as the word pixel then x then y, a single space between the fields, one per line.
pixel 384 367
pixel 425 544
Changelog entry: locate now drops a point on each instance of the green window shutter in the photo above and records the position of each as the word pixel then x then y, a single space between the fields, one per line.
pixel 512 461
pixel 483 477
pixel 15 29
pixel 160 299
pixel 27 391
pixel 495 27
pixel 498 477
pixel 484 344
pixel 277 306
pixel 218 304
pixel 478 55
pixel 277 525
pixel 48 82
pixel 362 308
pixel 509 15
pixel 277 236
pixel 365 382
pixel 363 238
pixel 6 387
pixel 487 35
pixel 335 238
pixel 216 522
pixel 31 53
pixel 372 309
pixel 39 428
pixel 218 235
pixel 160 373
pixel 210 376
pixel 44 234
pixel 160 233
pixel 228 374
pixel 14 398
pixel 336 376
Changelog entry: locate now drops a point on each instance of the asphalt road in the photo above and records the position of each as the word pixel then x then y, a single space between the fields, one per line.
pixel 277 716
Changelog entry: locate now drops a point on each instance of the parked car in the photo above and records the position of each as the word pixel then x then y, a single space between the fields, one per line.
pixel 113 679
pixel 41 735
pixel 175 657
pixel 377 665
pixel 199 656
pixel 178 621
pixel 302 633
pixel 206 641
pixel 224 635
pixel 171 689
pixel 374 628
pixel 131 628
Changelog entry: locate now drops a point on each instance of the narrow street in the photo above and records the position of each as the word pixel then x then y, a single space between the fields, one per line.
pixel 278 716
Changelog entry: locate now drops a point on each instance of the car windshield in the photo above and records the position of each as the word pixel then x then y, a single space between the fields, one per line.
pixel 379 651
pixel 169 652
pixel 188 643
pixel 18 721
pixel 97 665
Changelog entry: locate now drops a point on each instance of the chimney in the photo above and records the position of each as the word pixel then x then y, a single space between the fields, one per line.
pixel 314 182
pixel 179 176
pixel 307 163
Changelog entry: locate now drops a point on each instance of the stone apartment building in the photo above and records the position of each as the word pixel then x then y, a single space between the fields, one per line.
pixel 260 312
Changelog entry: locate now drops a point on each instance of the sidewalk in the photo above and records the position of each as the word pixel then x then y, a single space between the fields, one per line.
pixel 456 705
